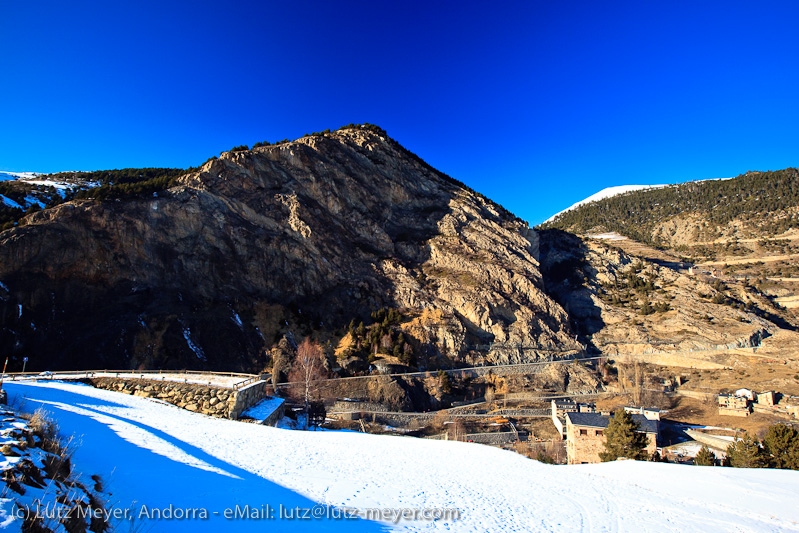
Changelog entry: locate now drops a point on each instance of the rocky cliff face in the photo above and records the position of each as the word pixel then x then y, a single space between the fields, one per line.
pixel 623 304
pixel 294 239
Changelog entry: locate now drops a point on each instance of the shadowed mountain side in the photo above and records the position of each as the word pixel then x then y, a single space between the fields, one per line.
pixel 565 266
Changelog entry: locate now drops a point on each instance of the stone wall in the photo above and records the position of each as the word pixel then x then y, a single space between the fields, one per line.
pixel 732 411
pixel 248 396
pixel 210 400
pixel 496 438
pixel 697 394
pixel 340 406
pixel 665 359
pixel 585 448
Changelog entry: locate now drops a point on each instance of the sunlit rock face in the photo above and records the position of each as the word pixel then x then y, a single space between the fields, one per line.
pixel 294 239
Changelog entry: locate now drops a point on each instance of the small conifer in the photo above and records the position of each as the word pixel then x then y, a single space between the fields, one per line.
pixel 705 457
pixel 623 439
pixel 746 453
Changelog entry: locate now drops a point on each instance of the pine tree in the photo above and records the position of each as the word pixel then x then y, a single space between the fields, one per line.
pixel 781 447
pixel 746 453
pixel 646 308
pixel 705 457
pixel 443 379
pixel 397 351
pixel 622 438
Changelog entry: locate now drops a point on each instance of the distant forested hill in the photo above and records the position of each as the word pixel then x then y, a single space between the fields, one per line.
pixel 763 196
pixel 98 185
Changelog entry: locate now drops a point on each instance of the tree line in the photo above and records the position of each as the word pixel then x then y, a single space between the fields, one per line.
pixel 778 449
pixel 383 336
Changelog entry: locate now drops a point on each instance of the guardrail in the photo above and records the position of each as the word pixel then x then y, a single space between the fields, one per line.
pixel 255 379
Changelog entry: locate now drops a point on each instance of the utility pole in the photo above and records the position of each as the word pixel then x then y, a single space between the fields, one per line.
pixel 4 374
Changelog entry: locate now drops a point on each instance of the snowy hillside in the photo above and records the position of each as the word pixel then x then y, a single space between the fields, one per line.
pixel 39 179
pixel 605 193
pixel 5 176
pixel 620 189
pixel 153 454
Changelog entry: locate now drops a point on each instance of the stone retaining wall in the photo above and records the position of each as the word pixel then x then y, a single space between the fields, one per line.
pixel 340 406
pixel 697 395
pixel 495 439
pixel 248 396
pixel 670 360
pixel 210 400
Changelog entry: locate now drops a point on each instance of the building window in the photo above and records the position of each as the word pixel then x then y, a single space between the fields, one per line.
pixel 600 432
pixel 583 432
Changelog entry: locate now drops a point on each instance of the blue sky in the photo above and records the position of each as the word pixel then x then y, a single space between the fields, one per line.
pixel 535 104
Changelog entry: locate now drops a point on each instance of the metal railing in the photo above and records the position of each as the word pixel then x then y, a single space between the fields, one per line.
pixel 247 382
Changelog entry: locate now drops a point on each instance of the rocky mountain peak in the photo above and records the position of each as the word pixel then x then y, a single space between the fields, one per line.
pixel 296 238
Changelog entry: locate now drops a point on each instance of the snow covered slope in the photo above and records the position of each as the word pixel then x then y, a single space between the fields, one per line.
pixel 5 176
pixel 37 178
pixel 605 193
pixel 154 454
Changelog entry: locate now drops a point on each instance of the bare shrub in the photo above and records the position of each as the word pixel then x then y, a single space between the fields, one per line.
pixel 42 427
pixel 550 451
pixel 456 430
pixel 440 420
pixel 308 368
pixel 490 394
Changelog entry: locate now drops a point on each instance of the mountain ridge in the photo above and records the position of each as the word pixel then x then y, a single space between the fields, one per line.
pixel 607 192
pixel 642 214
pixel 298 238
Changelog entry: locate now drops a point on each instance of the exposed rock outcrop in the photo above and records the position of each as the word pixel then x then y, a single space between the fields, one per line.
pixel 293 239
pixel 594 281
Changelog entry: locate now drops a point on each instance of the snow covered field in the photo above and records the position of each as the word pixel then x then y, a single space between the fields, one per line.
pixel 157 455
pixel 5 176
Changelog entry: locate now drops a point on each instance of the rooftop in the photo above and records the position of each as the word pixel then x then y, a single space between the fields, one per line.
pixel 596 420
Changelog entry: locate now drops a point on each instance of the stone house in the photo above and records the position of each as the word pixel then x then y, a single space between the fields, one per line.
pixel 749 394
pixel 733 405
pixel 650 413
pixel 766 398
pixel 563 406
pixel 585 435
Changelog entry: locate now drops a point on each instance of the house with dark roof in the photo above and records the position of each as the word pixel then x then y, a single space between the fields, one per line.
pixel 562 406
pixel 651 413
pixel 585 435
